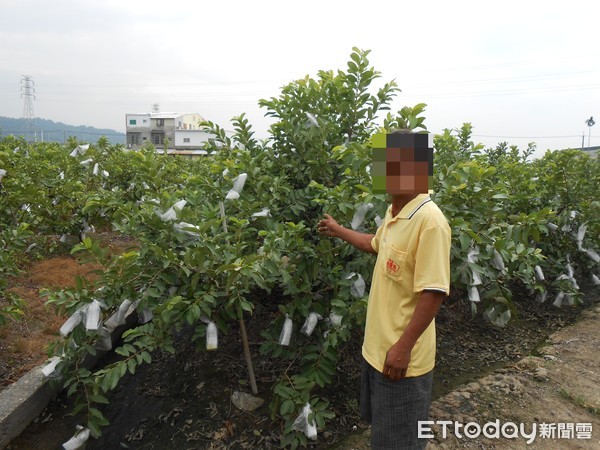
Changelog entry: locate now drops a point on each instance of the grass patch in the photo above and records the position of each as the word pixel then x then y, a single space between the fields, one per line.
pixel 580 401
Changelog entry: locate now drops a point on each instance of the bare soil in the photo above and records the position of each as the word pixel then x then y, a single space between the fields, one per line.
pixel 23 342
pixel 559 386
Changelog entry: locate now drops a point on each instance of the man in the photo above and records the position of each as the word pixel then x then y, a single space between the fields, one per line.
pixel 410 281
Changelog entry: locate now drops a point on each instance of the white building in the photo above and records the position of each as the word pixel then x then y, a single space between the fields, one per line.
pixel 181 131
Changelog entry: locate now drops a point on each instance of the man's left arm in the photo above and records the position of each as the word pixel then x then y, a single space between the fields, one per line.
pixel 398 356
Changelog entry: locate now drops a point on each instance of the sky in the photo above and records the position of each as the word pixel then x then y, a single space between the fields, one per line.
pixel 518 71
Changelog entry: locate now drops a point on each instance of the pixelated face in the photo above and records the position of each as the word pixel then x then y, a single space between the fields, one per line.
pixel 402 163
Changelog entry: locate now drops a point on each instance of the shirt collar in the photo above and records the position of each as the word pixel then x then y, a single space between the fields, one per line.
pixel 410 208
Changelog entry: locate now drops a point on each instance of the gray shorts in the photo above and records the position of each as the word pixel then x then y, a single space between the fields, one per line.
pixel 394 407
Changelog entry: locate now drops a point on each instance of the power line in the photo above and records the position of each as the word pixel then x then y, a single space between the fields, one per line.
pixel 523 91
pixel 525 78
pixel 2 131
pixel 527 137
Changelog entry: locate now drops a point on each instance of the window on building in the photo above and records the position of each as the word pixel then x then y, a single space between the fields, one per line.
pixel 160 122
pixel 132 122
pixel 187 140
pixel 144 120
pixel 158 138
pixel 133 138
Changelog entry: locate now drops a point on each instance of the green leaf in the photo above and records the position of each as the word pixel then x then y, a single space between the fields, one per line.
pixel 287 407
pixel 114 379
pixel 146 357
pixel 121 351
pixel 122 368
pixel 96 413
pixel 94 428
pixel 72 389
pixel 465 242
pixel 99 399
pixel 78 408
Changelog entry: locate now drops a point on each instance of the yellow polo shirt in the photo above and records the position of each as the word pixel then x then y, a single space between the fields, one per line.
pixel 413 254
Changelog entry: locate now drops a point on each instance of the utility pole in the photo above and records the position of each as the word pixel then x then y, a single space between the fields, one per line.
pixel 590 123
pixel 28 96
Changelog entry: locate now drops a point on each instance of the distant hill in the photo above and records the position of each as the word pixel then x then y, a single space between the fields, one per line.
pixel 57 131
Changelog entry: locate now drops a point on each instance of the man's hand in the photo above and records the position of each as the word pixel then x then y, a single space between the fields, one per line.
pixel 397 359
pixel 328 226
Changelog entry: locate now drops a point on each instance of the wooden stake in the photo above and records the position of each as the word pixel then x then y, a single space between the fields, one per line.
pixel 248 357
pixel 245 342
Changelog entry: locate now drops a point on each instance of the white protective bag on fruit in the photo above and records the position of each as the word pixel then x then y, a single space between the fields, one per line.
pixel 145 316
pixel 539 275
pixel 262 213
pixel 497 261
pixel 286 331
pixel 359 215
pixel 118 318
pixel 474 294
pixel 75 319
pixel 49 368
pixel 78 441
pixel 212 340
pixel 304 425
pixel 311 120
pixel 357 289
pixel 310 323
pixel 104 341
pixel 93 316
pixel 559 299
pixel 171 213
pixel 238 185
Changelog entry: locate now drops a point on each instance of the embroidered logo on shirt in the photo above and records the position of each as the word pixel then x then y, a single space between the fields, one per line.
pixel 391 266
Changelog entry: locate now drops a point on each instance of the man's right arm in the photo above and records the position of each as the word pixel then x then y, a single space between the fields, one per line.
pixel 362 241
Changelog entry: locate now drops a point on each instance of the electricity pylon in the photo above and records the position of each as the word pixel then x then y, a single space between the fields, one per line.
pixel 28 96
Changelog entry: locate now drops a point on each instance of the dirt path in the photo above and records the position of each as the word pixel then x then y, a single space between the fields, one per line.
pixel 561 386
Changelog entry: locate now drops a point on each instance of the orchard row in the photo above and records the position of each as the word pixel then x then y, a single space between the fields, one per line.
pixel 213 235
